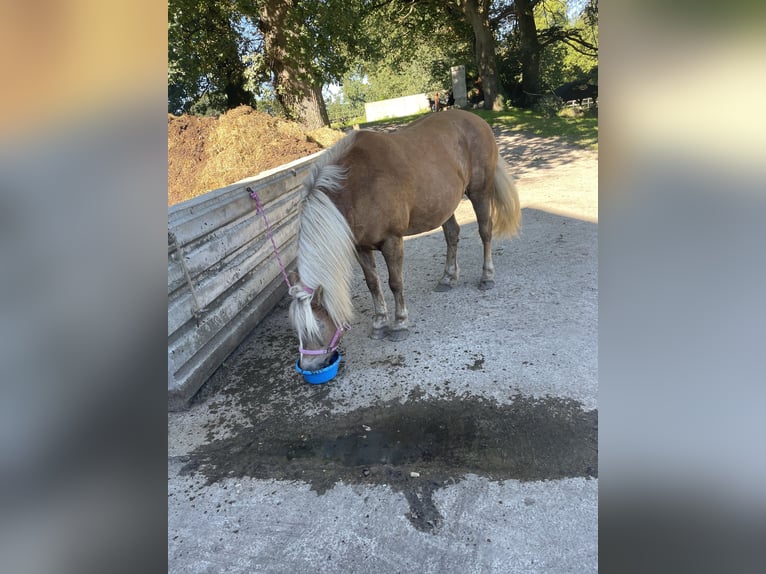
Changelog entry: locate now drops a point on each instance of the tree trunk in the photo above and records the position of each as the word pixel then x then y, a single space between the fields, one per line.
pixel 306 107
pixel 477 15
pixel 530 52
pixel 299 94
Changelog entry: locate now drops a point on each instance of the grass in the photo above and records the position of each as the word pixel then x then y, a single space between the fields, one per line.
pixel 582 131
pixel 401 120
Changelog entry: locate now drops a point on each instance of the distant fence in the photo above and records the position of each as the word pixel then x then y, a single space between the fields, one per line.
pixel 584 104
pixel 223 277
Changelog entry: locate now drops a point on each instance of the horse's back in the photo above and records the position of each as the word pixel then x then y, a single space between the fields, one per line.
pixel 460 120
pixel 456 139
pixel 412 180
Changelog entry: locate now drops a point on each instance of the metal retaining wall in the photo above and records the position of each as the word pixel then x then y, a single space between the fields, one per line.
pixel 223 277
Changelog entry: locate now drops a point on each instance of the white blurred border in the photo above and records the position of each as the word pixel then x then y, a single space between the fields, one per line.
pixel 83 188
pixel 682 277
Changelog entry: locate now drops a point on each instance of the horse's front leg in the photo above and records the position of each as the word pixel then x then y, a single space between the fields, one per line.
pixel 380 318
pixel 393 253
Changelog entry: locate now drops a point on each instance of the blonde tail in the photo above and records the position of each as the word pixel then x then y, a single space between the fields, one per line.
pixel 506 212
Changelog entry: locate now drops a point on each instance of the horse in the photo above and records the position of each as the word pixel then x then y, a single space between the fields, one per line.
pixel 369 191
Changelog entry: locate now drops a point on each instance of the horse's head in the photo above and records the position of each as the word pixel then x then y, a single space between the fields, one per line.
pixel 318 335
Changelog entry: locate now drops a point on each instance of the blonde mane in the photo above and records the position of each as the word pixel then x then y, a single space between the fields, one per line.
pixel 326 251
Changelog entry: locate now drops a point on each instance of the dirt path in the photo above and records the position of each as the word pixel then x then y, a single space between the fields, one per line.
pixel 552 175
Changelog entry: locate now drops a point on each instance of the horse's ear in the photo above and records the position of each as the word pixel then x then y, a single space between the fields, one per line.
pixel 316 298
pixel 294 278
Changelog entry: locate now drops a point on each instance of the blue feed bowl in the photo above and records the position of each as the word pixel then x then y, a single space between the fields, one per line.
pixel 322 375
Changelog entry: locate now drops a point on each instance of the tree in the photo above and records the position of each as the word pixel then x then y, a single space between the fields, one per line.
pixel 532 41
pixel 477 15
pixel 206 46
pixel 221 53
pixel 408 50
pixel 482 21
pixel 530 49
pixel 561 62
pixel 469 19
pixel 308 44
pixel 217 47
pixel 413 58
pixel 296 89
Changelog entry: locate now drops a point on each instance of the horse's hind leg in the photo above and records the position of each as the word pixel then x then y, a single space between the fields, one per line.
pixel 367 261
pixel 393 253
pixel 451 271
pixel 483 208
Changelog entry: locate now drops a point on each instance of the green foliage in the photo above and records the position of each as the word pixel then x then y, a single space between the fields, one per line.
pixel 411 52
pixel 208 104
pixel 329 34
pixel 548 106
pixel 344 111
pixel 576 63
pixel 567 30
pixel 374 50
pixel 216 51
pixel 207 41
pixel 566 61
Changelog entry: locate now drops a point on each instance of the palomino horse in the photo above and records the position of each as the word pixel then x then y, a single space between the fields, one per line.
pixel 369 191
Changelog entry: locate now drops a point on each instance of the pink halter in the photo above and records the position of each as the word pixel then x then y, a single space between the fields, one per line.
pixel 331 348
pixel 302 291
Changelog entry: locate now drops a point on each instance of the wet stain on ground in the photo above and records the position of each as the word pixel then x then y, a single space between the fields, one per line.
pixel 415 447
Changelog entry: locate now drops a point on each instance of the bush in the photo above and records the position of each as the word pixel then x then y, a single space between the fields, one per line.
pixel 578 112
pixel 548 106
pixel 501 103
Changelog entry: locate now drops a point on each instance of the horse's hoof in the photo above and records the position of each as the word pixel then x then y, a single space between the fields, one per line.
pixel 379 333
pixel 486 284
pixel 442 287
pixel 398 335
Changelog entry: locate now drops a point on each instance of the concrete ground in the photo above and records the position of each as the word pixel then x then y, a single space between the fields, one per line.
pixel 469 447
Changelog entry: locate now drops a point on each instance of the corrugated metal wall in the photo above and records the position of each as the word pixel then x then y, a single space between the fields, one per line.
pixel 223 277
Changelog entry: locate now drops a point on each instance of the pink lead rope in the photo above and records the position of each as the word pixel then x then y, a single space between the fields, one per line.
pixel 259 209
pixel 333 346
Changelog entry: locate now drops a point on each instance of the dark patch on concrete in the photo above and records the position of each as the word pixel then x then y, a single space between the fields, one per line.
pixel 478 363
pixel 423 513
pixel 440 441
pixel 394 361
pixel 416 393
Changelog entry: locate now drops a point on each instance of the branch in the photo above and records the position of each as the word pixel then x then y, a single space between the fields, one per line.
pixel 559 34
pixel 501 15
pixel 510 9
pixel 593 52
